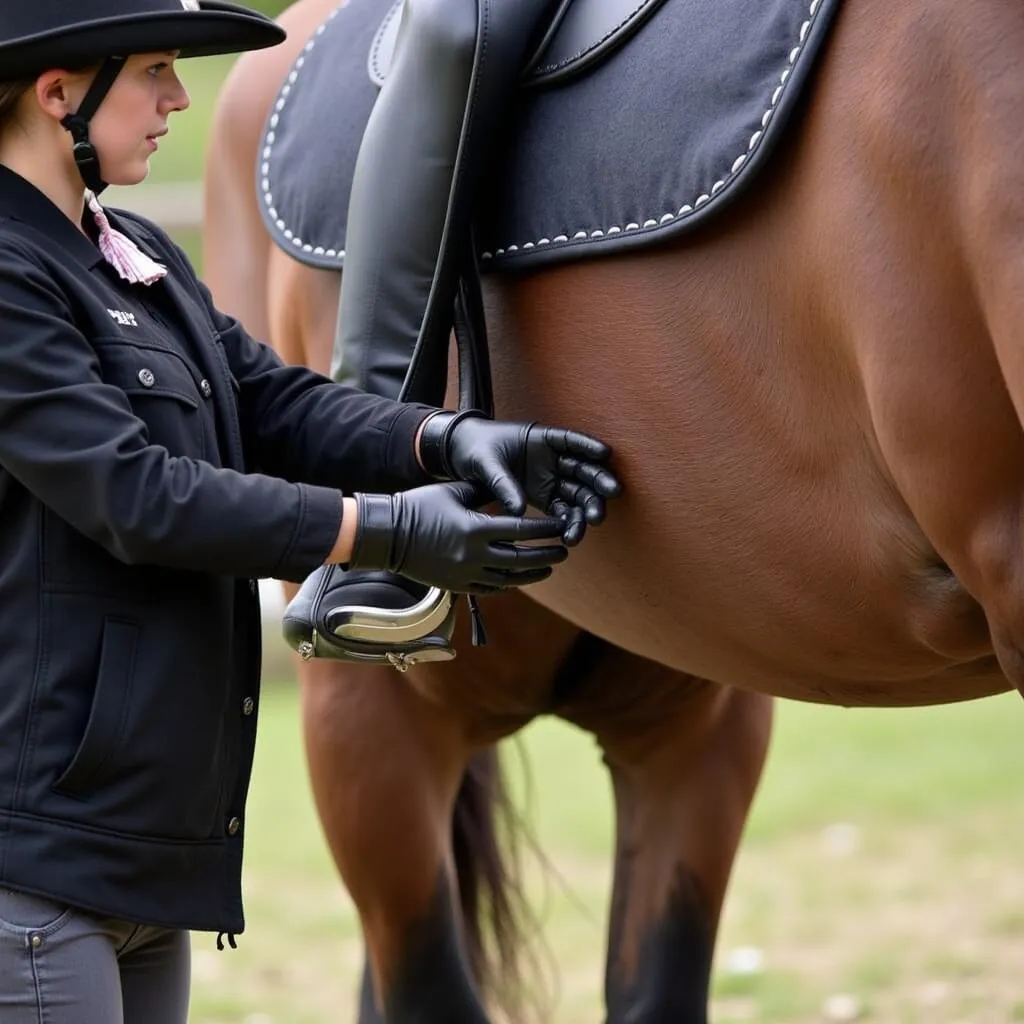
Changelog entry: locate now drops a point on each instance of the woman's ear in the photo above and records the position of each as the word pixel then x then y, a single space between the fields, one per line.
pixel 53 94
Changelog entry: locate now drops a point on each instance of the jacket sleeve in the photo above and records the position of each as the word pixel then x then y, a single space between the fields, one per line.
pixel 300 425
pixel 74 442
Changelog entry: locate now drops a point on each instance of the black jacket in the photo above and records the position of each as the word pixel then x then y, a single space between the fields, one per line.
pixel 149 450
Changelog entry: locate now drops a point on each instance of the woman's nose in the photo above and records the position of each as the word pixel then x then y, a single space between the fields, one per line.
pixel 179 98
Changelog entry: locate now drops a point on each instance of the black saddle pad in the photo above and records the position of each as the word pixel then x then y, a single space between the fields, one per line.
pixel 662 134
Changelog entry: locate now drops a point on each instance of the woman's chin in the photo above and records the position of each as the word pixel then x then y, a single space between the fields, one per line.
pixel 129 174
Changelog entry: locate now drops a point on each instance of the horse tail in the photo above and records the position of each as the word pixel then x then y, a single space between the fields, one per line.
pixel 487 839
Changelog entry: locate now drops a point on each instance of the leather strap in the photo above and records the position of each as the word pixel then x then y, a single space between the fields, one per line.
pixel 84 152
pixel 577 37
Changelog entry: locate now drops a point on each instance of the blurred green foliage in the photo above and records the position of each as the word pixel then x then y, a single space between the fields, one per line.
pixel 271 7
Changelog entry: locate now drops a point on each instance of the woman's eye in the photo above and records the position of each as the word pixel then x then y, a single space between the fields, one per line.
pixel 157 68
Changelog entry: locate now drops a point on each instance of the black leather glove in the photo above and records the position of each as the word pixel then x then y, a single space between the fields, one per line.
pixel 557 471
pixel 434 535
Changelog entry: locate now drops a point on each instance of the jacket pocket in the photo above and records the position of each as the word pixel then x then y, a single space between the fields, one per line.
pixel 104 731
pixel 162 391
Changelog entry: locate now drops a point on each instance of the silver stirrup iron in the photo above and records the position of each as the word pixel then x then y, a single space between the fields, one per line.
pixel 389 628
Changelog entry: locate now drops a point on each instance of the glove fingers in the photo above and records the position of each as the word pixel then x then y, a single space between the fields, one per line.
pixel 517 556
pixel 572 442
pixel 495 476
pixel 580 497
pixel 513 528
pixel 597 478
pixel 574 526
pixel 524 579
pixel 468 494
pixel 560 509
pixel 505 580
pixel 480 589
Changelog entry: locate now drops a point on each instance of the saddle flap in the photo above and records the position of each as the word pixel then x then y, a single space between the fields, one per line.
pixel 581 35
pixel 663 135
pixel 587 32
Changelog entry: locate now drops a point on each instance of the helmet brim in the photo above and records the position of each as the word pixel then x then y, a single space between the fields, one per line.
pixel 217 27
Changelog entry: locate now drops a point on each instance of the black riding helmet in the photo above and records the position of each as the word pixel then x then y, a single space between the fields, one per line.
pixel 36 35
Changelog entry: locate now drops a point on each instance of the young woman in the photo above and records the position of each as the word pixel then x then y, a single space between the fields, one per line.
pixel 154 461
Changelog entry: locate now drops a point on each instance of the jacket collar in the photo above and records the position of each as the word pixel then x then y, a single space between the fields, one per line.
pixel 22 201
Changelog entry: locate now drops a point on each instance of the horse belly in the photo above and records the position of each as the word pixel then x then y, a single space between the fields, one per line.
pixel 759 543
pixel 809 630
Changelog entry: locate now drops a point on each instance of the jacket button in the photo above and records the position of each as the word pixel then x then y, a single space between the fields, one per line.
pixel 248 706
pixel 233 826
pixel 204 387
pixel 146 377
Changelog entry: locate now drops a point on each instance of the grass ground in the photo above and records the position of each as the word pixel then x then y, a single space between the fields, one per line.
pixel 879 865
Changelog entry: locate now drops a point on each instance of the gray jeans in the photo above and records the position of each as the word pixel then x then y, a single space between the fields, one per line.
pixel 64 966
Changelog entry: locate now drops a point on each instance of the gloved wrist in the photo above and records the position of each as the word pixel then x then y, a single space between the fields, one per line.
pixel 375 532
pixel 435 441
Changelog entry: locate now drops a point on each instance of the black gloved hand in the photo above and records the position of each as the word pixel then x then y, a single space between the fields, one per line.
pixel 434 535
pixel 557 471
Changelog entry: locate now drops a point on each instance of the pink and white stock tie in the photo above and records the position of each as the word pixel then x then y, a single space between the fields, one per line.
pixel 131 263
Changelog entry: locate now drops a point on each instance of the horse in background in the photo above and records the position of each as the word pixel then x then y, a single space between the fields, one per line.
pixel 830 374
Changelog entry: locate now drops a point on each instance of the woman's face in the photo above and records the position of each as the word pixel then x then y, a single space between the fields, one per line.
pixel 133 116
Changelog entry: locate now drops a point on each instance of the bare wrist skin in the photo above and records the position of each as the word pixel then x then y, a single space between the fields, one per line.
pixel 342 550
pixel 417 440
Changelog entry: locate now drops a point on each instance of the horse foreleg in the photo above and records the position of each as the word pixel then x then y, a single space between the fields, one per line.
pixel 685 758
pixel 386 767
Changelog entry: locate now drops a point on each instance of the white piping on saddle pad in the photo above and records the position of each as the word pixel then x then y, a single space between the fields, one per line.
pixel 652 222
pixel 271 138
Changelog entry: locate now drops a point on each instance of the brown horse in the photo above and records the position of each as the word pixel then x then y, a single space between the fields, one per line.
pixel 831 378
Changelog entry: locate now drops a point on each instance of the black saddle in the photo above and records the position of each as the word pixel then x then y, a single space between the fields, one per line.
pixel 580 35
pixel 637 122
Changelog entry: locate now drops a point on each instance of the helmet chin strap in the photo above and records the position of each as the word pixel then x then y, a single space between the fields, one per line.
pixel 84 152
